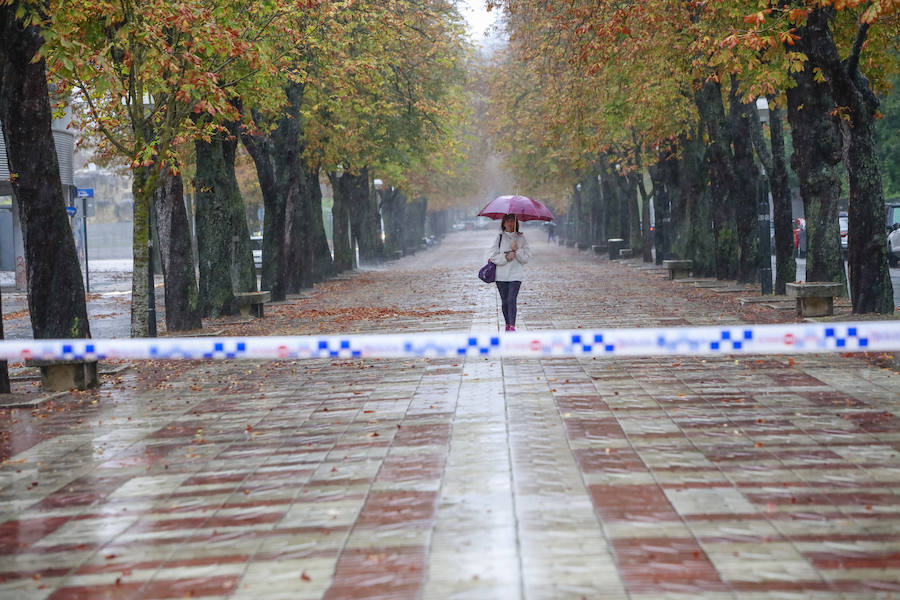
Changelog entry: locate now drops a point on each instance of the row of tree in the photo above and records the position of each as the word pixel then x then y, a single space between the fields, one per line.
pixel 342 89
pixel 591 95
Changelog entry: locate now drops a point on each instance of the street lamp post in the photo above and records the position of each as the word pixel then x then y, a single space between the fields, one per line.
pixel 764 218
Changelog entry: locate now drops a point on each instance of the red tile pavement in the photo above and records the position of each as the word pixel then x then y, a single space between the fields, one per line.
pixel 742 477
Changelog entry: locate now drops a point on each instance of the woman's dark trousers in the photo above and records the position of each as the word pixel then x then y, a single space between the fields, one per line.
pixel 509 291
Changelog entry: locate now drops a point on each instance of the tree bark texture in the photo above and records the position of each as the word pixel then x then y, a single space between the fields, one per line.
pixel 342 186
pixel 634 212
pixel 816 161
pixel 870 281
pixel 660 211
pixel 55 287
pixel 223 238
pixel 646 232
pixel 320 258
pixel 308 252
pixel 142 184
pixel 176 255
pixel 4 367
pixel 261 149
pixel 691 226
pixel 593 195
pixel 393 205
pixel 613 205
pixel 365 224
pixel 775 163
pixel 722 178
pixel 357 208
pixel 581 215
pixel 746 179
pixel 414 227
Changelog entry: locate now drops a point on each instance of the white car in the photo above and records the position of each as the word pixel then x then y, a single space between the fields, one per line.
pixel 256 246
pixel 894 246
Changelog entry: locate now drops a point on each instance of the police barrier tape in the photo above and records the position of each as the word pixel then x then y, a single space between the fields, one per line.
pixel 871 336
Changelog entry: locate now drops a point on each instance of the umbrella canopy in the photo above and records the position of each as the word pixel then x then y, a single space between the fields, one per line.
pixel 524 208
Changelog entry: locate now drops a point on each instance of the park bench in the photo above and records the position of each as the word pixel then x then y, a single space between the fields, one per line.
pixel 599 248
pixel 814 298
pixel 582 245
pixel 626 253
pixel 613 246
pixel 252 303
pixel 678 269
pixel 63 375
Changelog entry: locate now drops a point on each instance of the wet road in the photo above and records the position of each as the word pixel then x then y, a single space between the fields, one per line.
pixel 642 478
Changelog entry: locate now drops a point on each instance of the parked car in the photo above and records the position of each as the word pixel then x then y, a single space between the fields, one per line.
pixel 256 246
pixel 843 221
pixel 893 242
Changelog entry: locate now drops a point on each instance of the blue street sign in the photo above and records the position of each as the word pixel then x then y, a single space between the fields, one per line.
pixel 71 210
pixel 84 193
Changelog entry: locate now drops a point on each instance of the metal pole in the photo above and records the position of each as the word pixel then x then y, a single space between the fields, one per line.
pixel 87 273
pixel 152 292
pixel 765 247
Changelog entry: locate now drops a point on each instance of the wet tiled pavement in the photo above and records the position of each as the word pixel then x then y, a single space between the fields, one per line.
pixel 744 477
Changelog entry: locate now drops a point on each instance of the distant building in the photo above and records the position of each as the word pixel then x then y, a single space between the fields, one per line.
pixel 12 251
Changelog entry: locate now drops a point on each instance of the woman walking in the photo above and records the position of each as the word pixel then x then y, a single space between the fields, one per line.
pixel 509 252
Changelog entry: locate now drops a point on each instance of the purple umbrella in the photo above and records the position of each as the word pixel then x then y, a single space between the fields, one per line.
pixel 524 208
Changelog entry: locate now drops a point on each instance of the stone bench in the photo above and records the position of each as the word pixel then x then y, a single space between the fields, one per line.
pixel 678 269
pixel 626 253
pixel 814 298
pixel 613 246
pixel 252 303
pixel 64 375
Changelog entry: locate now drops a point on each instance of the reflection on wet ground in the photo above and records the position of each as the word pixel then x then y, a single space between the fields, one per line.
pixel 725 477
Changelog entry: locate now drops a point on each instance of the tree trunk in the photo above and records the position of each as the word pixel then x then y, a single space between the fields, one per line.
pixel 870 281
pixel 366 226
pixel 414 228
pixel 775 163
pixel 392 209
pixel 612 203
pixel 223 239
pixel 4 367
pixel 692 228
pixel 56 300
pixel 578 210
pixel 307 243
pixel 718 155
pixel 746 179
pixel 261 149
pixel 816 159
pixel 593 195
pixel 358 205
pixel 320 255
pixel 177 260
pixel 342 185
pixel 634 211
pixel 142 184
pixel 646 237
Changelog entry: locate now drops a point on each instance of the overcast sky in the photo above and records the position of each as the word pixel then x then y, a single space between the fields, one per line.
pixel 478 17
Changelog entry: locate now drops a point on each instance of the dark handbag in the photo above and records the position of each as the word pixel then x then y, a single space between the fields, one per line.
pixel 488 272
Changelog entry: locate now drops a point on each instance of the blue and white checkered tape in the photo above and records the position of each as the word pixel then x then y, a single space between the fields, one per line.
pixel 868 336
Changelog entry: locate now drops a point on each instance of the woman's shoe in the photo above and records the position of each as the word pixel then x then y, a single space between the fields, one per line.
pixel 507 327
pixel 512 328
